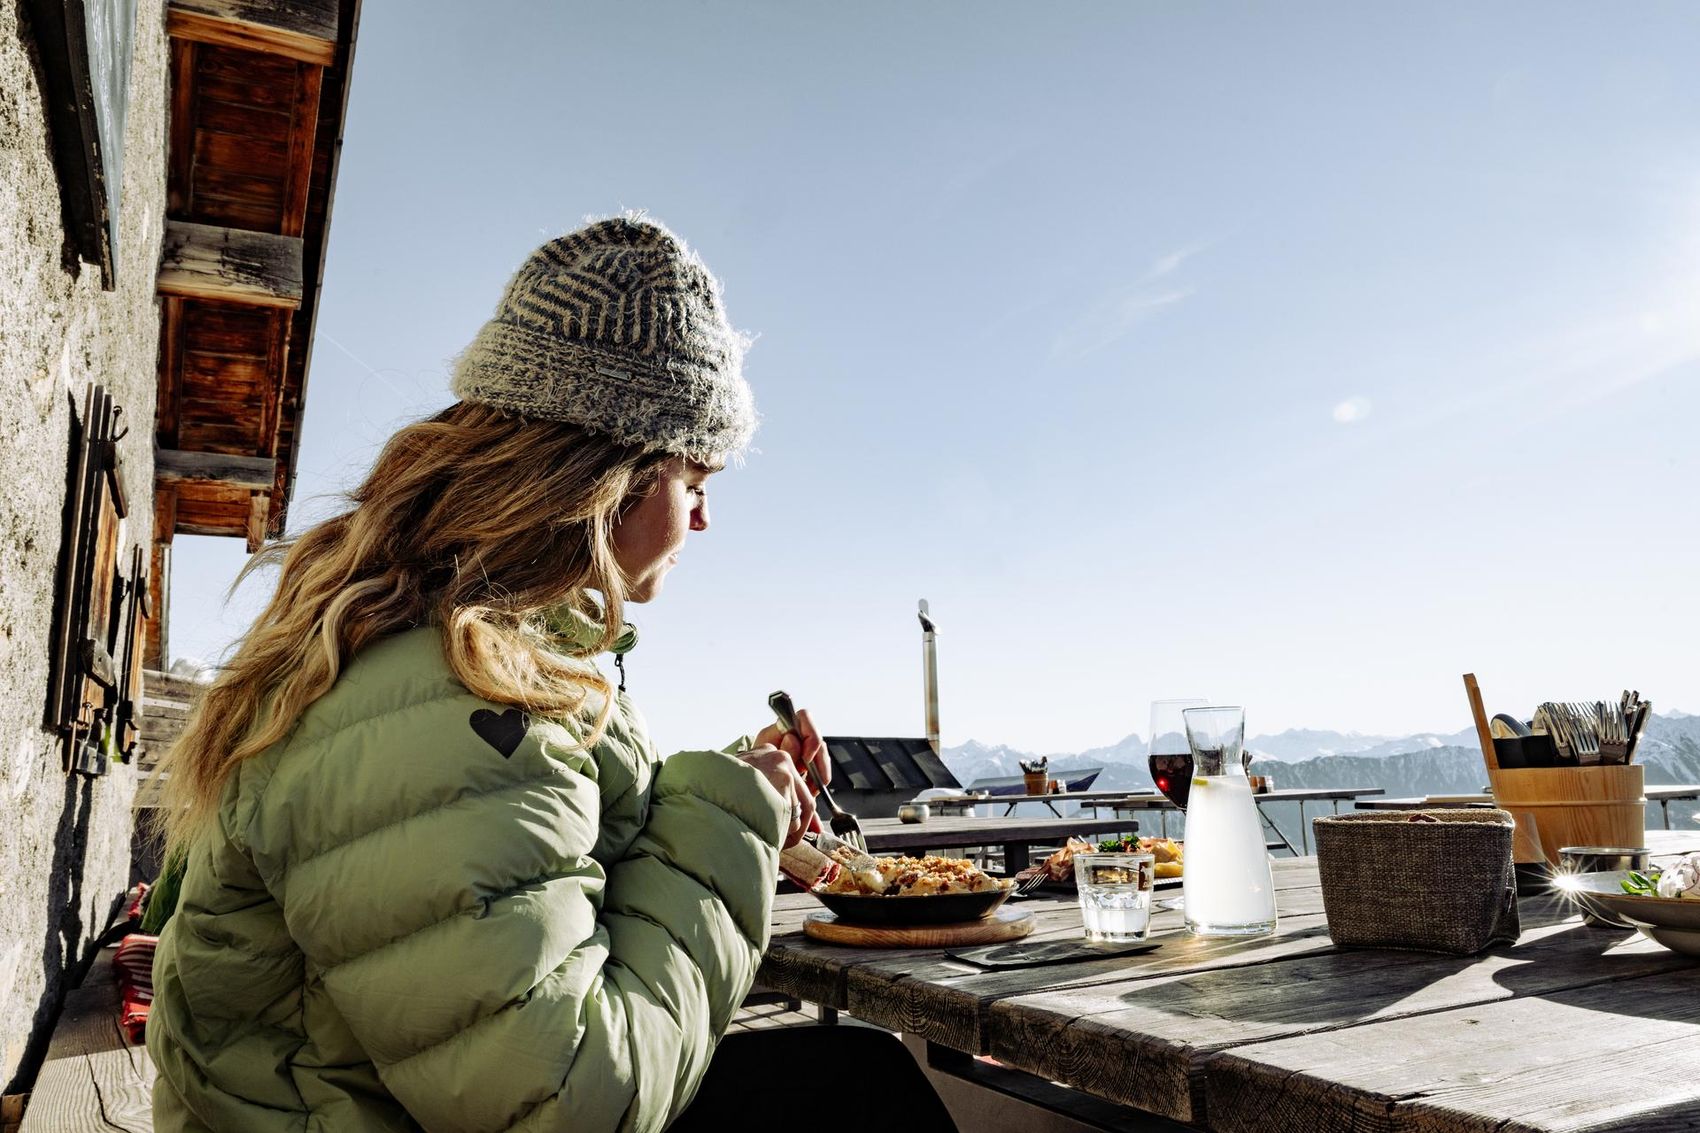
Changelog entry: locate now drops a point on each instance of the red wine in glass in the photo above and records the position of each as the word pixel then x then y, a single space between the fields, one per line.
pixel 1173 776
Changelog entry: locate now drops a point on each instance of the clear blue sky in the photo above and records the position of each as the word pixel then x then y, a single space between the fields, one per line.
pixel 1301 356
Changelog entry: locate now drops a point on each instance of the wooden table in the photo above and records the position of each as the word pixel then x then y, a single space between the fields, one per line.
pixel 1017 836
pixel 1049 799
pixel 1301 795
pixel 1425 802
pixel 1572 1028
pixel 1663 794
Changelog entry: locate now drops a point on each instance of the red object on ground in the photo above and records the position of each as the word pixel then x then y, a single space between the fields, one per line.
pixel 133 912
pixel 134 964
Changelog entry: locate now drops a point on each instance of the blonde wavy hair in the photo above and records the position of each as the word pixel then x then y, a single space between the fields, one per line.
pixel 474 520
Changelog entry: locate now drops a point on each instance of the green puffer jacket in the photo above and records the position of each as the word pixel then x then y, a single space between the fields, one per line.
pixel 421 910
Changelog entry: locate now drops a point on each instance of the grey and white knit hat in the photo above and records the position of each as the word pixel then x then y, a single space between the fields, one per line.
pixel 617 327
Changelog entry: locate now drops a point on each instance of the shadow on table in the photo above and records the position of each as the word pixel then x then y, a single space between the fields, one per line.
pixel 1341 987
pixel 1585 957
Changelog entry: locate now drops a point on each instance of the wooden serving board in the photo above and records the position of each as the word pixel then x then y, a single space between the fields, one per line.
pixel 1003 925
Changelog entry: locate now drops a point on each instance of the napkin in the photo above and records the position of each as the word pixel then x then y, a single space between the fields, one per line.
pixel 1022 954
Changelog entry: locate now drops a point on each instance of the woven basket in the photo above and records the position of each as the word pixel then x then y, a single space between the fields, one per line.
pixel 1430 880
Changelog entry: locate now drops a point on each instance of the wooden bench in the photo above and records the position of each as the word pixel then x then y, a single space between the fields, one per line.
pixel 93 1078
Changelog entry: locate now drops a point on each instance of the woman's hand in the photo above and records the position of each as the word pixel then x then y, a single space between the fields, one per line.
pixel 803 745
pixel 780 768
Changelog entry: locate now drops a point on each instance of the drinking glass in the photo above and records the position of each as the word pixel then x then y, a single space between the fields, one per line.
pixel 1228 885
pixel 1171 755
pixel 1115 895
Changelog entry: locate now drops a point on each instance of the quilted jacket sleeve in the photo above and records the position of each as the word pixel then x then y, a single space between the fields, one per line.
pixel 496 975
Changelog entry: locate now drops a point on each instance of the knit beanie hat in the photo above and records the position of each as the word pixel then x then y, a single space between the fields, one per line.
pixel 617 327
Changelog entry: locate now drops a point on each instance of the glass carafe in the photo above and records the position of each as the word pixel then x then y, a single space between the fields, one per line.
pixel 1229 888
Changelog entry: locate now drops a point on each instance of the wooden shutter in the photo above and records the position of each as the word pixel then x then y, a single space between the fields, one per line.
pixel 136 612
pixel 89 642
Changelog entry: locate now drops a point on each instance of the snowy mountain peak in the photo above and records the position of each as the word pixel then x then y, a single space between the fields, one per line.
pixel 1665 734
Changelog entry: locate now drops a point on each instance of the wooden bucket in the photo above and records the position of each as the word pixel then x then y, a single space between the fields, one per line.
pixel 1571 806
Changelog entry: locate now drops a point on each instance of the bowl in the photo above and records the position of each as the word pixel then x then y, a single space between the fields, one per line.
pixel 1599 859
pixel 913 812
pixel 1671 921
pixel 937 908
pixel 1604 859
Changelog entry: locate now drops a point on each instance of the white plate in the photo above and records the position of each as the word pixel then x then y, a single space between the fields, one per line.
pixel 1683 940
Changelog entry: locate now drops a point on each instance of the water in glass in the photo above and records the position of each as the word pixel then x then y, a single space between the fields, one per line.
pixel 1115 895
pixel 1228 886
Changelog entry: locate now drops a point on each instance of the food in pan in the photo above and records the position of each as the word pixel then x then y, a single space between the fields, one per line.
pixel 1680 880
pixel 1060 865
pixel 912 877
pixel 1166 853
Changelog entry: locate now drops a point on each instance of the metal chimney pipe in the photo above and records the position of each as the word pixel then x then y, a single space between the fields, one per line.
pixel 930 676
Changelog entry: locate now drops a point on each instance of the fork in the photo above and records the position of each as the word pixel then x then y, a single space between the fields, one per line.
pixel 1585 733
pixel 1614 734
pixel 844 824
pixel 1028 884
pixel 1559 723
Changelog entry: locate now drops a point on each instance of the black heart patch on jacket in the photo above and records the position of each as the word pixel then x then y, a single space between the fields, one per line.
pixel 501 730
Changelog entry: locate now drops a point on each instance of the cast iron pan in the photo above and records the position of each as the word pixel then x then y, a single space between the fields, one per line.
pixel 940 908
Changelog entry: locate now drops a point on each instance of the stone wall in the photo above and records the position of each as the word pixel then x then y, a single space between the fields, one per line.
pixel 64 841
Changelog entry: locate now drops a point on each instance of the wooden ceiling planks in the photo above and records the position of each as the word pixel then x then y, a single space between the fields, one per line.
pixel 212 508
pixel 303 132
pixel 258 98
pixel 241 106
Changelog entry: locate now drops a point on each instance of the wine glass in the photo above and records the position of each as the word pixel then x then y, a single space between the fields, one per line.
pixel 1171 755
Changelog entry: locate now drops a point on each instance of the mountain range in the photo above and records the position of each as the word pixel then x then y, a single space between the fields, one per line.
pixel 1421 764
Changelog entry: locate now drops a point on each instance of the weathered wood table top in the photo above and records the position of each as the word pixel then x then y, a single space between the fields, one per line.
pixel 1050 799
pixel 1572 1028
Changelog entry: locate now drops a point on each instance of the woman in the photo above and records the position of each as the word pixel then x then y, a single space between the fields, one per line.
pixel 437 877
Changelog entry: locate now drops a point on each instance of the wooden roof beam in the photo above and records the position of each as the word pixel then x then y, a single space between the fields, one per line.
pixel 259 510
pixel 259 269
pixel 156 649
pixel 304 30
pixel 252 472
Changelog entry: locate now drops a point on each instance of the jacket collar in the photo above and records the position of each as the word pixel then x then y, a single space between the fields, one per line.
pixel 583 631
